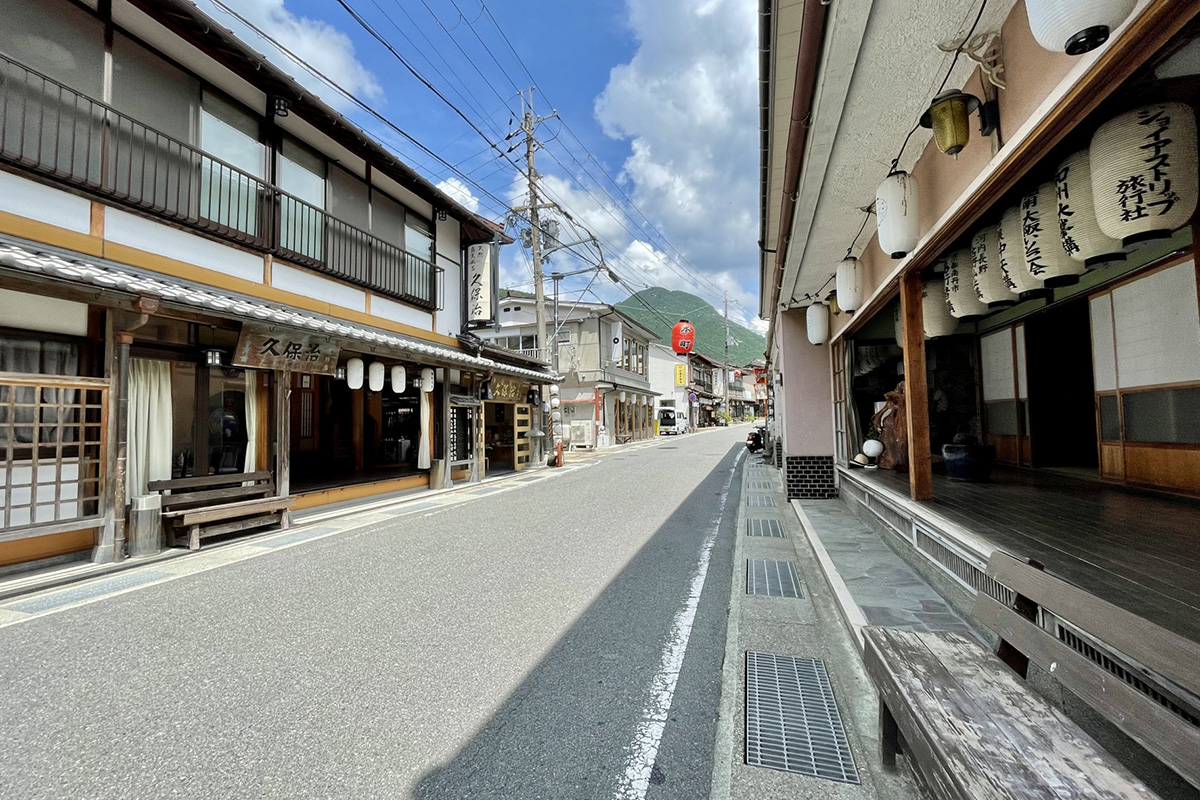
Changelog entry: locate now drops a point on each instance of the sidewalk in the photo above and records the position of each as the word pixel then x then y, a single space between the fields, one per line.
pixel 784 628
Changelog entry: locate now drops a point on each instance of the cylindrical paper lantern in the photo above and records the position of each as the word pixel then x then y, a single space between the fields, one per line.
pixel 1077 226
pixel 896 215
pixel 960 287
pixel 1075 26
pixel 427 380
pixel 554 390
pixel 354 373
pixel 622 396
pixel 555 402
pixel 849 285
pixel 682 337
pixel 990 285
pixel 375 376
pixel 1144 172
pixel 818 323
pixel 399 376
pixel 1021 282
pixel 1044 253
pixel 938 321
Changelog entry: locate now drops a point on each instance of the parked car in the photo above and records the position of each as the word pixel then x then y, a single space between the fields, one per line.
pixel 670 422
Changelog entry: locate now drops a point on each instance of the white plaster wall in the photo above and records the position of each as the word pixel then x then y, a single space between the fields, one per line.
pixel 306 284
pixel 806 399
pixel 153 237
pixel 399 312
pixel 32 200
pixel 33 312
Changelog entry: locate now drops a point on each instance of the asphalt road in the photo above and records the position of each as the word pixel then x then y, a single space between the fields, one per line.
pixel 551 641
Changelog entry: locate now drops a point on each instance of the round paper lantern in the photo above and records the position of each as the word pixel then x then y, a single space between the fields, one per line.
pixel 849 285
pixel 1077 225
pixel 935 313
pixel 990 285
pixel 554 390
pixel 818 323
pixel 427 380
pixel 354 373
pixel 1021 282
pixel 556 417
pixel 1144 172
pixel 1044 253
pixel 960 287
pixel 399 376
pixel 683 336
pixel 1075 26
pixel 555 402
pixel 375 376
pixel 896 215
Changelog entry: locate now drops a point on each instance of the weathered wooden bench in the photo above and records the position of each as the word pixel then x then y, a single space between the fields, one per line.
pixel 195 508
pixel 973 728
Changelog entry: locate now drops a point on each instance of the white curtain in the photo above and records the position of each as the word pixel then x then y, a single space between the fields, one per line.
pixel 150 431
pixel 251 420
pixel 423 448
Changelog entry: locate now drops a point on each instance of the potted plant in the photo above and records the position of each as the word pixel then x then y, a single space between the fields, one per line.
pixel 872 445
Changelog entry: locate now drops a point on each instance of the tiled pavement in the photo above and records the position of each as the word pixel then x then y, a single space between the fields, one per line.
pixel 884 587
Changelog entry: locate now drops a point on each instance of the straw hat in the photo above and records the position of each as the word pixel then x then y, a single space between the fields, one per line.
pixel 861 460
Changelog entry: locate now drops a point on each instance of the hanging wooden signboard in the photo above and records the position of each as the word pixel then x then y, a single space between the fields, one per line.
pixel 508 389
pixel 295 351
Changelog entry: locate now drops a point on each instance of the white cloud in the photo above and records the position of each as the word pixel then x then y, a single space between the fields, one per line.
pixel 460 193
pixel 326 48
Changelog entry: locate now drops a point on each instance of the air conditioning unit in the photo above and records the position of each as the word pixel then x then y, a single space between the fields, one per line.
pixel 582 434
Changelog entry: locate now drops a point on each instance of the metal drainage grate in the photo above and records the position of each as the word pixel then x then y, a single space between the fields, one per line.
pixel 772 578
pixel 792 719
pixel 767 528
pixel 760 486
pixel 760 501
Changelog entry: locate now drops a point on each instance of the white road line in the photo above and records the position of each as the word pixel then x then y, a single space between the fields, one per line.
pixel 643 750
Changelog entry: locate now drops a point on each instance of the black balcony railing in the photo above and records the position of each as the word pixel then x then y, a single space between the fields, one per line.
pixel 53 131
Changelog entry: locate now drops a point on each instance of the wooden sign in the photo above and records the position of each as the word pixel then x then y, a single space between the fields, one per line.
pixel 294 351
pixel 479 283
pixel 511 389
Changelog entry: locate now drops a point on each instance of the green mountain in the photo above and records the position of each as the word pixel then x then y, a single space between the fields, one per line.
pixel 710 325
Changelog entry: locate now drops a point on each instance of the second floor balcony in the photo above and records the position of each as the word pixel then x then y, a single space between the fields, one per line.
pixel 55 132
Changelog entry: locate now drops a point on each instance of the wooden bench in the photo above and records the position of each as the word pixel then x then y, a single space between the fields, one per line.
pixel 973 728
pixel 194 508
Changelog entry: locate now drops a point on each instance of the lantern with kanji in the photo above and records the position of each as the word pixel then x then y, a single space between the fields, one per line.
pixel 683 336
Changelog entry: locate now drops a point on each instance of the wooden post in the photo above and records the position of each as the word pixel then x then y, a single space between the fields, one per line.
pixel 358 409
pixel 283 439
pixel 124 340
pixel 920 466
pixel 447 454
pixel 103 552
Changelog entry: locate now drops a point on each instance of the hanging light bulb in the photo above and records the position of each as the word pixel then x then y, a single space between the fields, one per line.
pixel 1075 27
pixel 990 284
pixel 849 285
pixel 818 323
pixel 896 219
pixel 354 373
pixel 1021 282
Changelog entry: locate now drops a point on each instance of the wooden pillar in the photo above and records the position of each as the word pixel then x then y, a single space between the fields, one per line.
pixel 357 410
pixel 283 438
pixel 920 466
pixel 447 455
pixel 124 340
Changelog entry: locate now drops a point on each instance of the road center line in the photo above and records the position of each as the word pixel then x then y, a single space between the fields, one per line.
pixel 643 750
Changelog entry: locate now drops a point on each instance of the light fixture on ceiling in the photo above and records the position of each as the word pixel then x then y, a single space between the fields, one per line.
pixel 281 106
pixel 213 357
pixel 1075 27
pixel 948 116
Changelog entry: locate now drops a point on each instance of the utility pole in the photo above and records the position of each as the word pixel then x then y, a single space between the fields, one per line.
pixel 725 367
pixel 529 123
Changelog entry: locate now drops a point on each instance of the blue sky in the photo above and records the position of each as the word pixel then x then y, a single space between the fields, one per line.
pixel 655 150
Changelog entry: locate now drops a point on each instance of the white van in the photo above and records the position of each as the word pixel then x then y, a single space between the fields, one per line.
pixel 670 422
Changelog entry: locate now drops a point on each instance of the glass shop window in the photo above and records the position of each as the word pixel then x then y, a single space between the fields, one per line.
pixel 229 191
pixel 302 223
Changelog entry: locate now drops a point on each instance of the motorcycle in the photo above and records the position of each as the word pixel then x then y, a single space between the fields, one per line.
pixel 754 440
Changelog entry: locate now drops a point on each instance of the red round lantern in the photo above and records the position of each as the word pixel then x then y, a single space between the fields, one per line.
pixel 682 337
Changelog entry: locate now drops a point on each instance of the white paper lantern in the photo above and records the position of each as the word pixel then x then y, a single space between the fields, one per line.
pixel 1044 253
pixel 399 376
pixel 354 373
pixel 990 285
pixel 554 390
pixel 1144 172
pixel 849 285
pixel 960 287
pixel 555 402
pixel 935 313
pixel 818 323
pixel 1077 225
pixel 896 215
pixel 622 397
pixel 1021 282
pixel 427 380
pixel 375 373
pixel 556 417
pixel 1075 26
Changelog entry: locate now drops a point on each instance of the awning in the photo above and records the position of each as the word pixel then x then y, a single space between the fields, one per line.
pixel 23 258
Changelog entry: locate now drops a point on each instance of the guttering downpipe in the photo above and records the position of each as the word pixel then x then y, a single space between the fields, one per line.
pixel 764 122
pixel 812 32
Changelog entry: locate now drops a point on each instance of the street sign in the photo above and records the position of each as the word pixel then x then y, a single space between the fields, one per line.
pixel 693 397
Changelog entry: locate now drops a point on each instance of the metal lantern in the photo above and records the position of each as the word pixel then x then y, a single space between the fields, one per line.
pixel 1144 172
pixel 1075 27
pixel 1021 282
pixel 1044 253
pixel 375 374
pixel 1077 225
pixel 683 336
pixel 849 285
pixel 427 380
pixel 818 323
pixel 399 376
pixel 354 373
pixel 896 215
pixel 990 285
pixel 949 117
pixel 960 287
pixel 937 319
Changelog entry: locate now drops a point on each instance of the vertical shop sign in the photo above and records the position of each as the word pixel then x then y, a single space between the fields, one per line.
pixel 479 283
